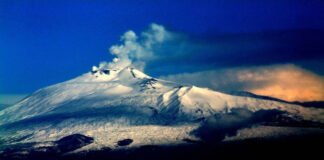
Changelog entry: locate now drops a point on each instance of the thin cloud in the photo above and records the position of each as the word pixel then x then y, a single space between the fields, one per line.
pixel 287 82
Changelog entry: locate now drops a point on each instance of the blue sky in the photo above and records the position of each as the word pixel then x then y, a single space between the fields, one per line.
pixel 45 42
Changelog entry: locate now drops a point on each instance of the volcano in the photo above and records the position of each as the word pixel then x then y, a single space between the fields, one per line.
pixel 124 108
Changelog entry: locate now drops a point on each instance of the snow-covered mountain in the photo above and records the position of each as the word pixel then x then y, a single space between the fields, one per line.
pixel 115 104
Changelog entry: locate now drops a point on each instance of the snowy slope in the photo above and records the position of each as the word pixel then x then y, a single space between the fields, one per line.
pixel 114 104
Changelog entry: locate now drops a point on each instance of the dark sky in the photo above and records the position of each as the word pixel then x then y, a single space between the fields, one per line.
pixel 45 42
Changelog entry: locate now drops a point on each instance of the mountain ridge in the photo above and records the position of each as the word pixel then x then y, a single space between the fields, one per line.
pixel 109 105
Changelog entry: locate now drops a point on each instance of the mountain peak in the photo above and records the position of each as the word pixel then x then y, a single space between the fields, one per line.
pixel 99 74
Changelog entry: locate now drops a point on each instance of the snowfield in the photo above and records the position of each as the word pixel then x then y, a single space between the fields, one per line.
pixel 115 104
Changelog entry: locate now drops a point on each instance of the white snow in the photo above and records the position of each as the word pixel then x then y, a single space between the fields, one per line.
pixel 126 103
